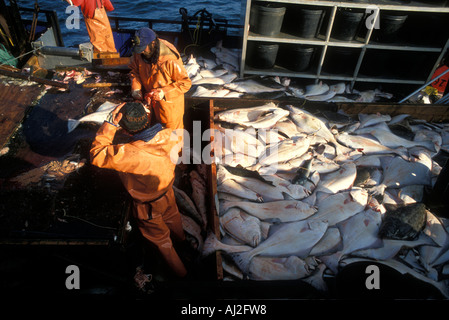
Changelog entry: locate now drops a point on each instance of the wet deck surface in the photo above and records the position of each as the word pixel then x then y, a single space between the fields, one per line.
pixel 15 102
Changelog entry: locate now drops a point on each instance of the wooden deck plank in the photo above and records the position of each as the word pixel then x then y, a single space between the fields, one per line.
pixel 15 101
pixel 214 223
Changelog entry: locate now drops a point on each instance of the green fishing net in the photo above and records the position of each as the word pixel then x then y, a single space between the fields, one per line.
pixel 6 57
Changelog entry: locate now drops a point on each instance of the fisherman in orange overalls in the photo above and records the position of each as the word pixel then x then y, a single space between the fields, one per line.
pixel 158 74
pixel 146 167
pixel 97 23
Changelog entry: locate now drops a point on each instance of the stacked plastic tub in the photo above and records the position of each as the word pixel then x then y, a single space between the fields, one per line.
pixel 265 19
pixel 387 62
pixel 269 19
pixel 304 22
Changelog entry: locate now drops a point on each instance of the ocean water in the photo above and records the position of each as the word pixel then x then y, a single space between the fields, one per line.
pixel 232 10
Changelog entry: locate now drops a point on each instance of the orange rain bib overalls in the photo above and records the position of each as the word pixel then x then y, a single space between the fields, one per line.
pixel 147 170
pixel 170 75
pixel 97 23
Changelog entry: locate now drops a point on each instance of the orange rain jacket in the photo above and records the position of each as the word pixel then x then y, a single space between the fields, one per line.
pixel 147 170
pixel 170 75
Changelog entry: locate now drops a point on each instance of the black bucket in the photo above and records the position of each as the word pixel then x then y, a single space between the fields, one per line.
pixel 296 57
pixel 268 19
pixel 341 60
pixel 347 24
pixel 262 55
pixel 377 63
pixel 308 22
pixel 390 27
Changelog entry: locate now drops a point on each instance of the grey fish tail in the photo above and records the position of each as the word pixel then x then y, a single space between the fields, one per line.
pixel 242 260
pixel 208 245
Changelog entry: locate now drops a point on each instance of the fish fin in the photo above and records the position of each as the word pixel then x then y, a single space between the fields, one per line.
pixel 242 260
pixel 310 180
pixel 208 245
pixel 72 124
pixel 316 279
pixel 225 205
pixel 377 191
pixel 332 261
pixel 275 227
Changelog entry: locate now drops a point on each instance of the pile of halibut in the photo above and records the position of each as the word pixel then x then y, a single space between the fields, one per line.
pixel 302 195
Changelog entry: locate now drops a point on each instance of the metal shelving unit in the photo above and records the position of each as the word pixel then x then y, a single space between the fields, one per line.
pixel 362 44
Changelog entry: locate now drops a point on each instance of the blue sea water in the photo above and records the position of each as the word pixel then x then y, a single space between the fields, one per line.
pixel 232 10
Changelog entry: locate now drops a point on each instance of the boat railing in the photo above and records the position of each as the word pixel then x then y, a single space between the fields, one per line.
pixel 184 32
pixel 51 20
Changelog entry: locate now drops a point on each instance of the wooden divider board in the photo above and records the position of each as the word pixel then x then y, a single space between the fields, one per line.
pixel 214 223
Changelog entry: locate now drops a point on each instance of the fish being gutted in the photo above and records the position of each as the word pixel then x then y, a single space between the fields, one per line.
pixel 99 116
